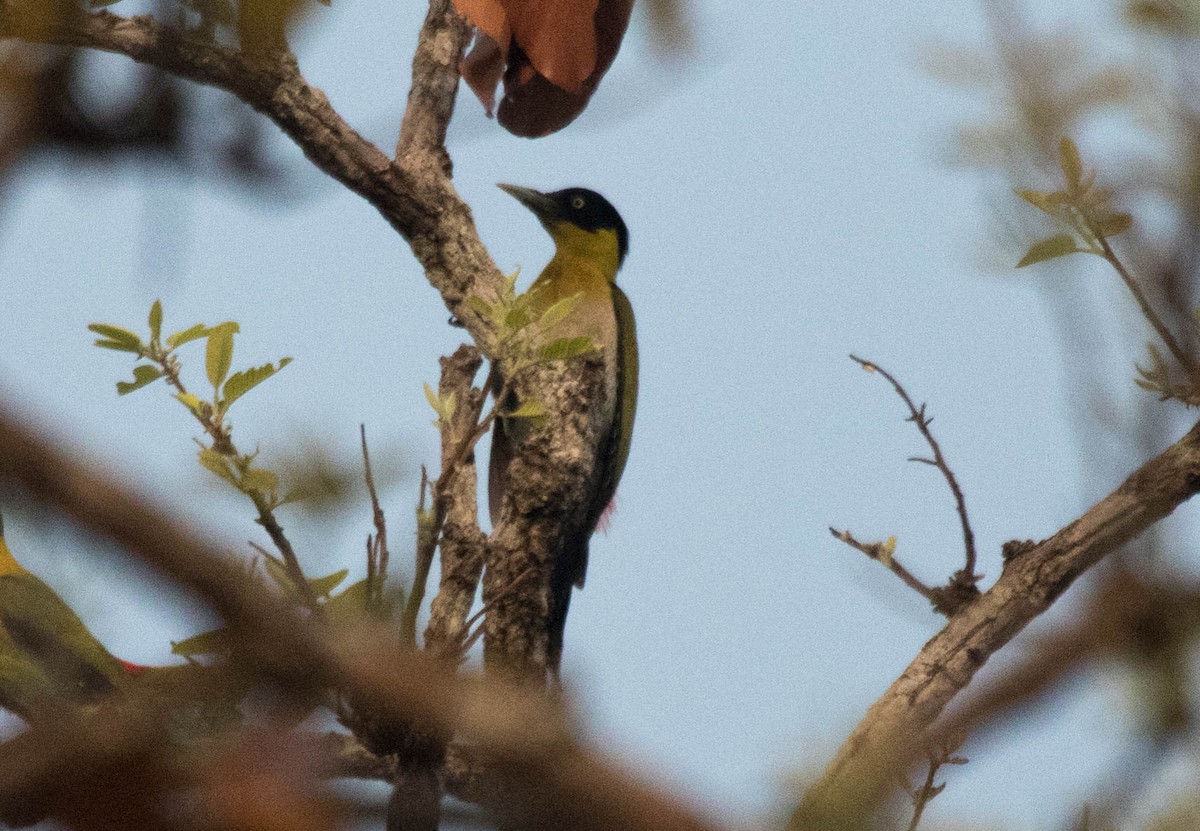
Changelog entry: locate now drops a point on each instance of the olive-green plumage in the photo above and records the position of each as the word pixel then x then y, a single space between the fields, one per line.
pixel 590 242
pixel 47 655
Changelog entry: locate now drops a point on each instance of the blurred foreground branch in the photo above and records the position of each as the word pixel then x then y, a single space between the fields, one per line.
pixel 543 777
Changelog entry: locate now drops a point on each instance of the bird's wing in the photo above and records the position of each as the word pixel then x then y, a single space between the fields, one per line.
pixel 50 633
pixel 627 383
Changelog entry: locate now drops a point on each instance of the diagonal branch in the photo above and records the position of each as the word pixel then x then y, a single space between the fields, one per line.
pixel 547 778
pixel 892 733
pixel 415 194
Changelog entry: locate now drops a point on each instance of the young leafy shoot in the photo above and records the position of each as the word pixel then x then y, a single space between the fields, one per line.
pixel 1081 206
pixel 444 407
pixel 162 361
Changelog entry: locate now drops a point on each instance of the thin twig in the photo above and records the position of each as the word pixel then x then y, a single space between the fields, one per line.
pixel 965 577
pixel 377 556
pixel 882 552
pixel 925 794
pixel 222 442
pixel 1181 355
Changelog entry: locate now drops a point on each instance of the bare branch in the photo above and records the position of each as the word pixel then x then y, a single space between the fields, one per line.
pixel 893 731
pixel 965 578
pixel 377 546
pixel 925 793
pixel 882 552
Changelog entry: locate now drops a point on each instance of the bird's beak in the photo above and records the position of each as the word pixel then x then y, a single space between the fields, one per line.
pixel 543 207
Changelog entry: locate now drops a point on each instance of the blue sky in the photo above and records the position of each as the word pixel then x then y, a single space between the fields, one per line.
pixel 789 203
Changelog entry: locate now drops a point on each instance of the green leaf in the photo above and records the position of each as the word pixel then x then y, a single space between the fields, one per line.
pixel 354 604
pixel 215 642
pixel 186 335
pixel 322 586
pixel 444 407
pixel 118 346
pixel 510 282
pixel 156 321
pixel 351 605
pixel 143 374
pixel 218 464
pixel 559 311
pixel 563 349
pixel 190 401
pixel 242 382
pixel 294 495
pixel 1072 165
pixel 432 398
pixel 1110 225
pixel 260 479
pixel 219 355
pixel 528 409
pixel 278 572
pixel 517 318
pixel 129 341
pixel 1042 200
pixel 1047 249
pixel 480 306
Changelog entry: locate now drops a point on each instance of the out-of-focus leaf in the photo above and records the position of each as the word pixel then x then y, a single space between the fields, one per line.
pixel 1110 225
pixel 259 479
pixel 219 355
pixel 184 336
pixel 1047 249
pixel 278 572
pixel 116 337
pixel 242 382
pixel 350 606
pixel 563 349
pixel 215 642
pixel 322 586
pixel 1048 201
pixel 218 464
pixel 143 374
pixel 528 409
pixel 155 321
pixel 558 312
pixel 190 401
pixel 1072 165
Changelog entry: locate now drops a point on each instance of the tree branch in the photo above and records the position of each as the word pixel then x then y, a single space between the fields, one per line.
pixel 893 731
pixel 549 777
pixel 414 194
pixel 463 546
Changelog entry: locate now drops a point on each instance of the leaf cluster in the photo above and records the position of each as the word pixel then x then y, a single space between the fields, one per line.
pixel 525 338
pixel 1157 377
pixel 354 604
pixel 1081 206
pixel 161 360
pixel 525 334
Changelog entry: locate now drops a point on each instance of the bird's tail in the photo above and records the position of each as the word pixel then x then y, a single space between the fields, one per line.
pixel 569 568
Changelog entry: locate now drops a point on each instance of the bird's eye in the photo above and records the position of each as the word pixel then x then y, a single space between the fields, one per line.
pixel 577 203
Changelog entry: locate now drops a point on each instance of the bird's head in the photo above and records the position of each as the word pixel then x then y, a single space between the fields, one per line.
pixel 576 218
